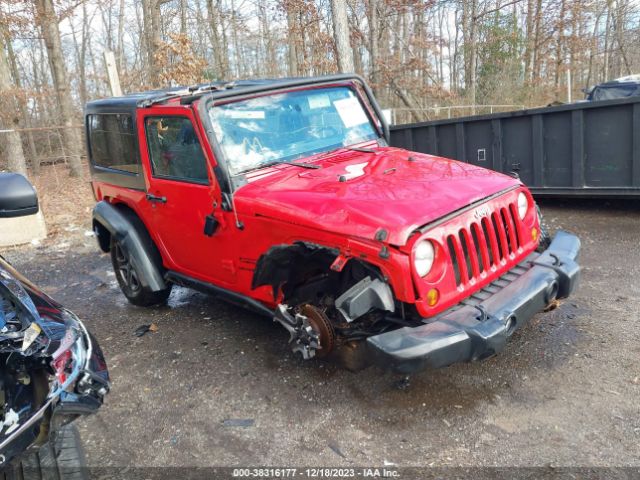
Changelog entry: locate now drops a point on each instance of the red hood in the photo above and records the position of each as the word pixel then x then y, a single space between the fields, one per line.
pixel 387 191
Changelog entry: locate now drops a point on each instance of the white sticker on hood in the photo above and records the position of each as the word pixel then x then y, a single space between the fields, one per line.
pixel 353 171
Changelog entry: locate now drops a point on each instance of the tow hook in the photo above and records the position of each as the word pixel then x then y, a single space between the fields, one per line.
pixel 303 338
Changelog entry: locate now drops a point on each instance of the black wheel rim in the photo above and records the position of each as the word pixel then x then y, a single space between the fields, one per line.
pixel 125 270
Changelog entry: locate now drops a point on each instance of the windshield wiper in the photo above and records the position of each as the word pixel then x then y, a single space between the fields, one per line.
pixel 278 162
pixel 354 149
pixel 360 149
pixel 300 164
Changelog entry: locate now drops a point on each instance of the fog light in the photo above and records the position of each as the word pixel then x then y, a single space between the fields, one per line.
pixel 534 234
pixel 433 296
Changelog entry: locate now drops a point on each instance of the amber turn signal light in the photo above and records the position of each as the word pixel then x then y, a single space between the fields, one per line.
pixel 433 296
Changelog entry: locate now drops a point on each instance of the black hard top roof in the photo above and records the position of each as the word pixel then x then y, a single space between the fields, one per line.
pixel 216 89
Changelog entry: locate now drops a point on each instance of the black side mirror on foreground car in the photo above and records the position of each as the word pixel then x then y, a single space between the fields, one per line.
pixel 18 198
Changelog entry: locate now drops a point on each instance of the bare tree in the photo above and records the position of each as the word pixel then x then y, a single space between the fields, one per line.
pixel 153 36
pixel 374 46
pixel 341 36
pixel 9 118
pixel 48 21
pixel 219 53
pixel 292 33
pixel 419 56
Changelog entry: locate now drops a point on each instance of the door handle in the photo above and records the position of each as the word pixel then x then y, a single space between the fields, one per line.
pixel 155 198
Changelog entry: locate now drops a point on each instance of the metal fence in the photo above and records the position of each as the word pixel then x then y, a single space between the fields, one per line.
pixel 41 145
pixel 406 115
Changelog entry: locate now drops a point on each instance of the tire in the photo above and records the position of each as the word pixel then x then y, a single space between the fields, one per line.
pixel 62 458
pixel 128 279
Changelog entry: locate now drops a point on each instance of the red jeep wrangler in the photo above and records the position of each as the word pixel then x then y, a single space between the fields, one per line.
pixel 285 197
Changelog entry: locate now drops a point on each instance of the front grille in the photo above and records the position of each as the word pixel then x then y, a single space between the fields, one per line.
pixel 484 243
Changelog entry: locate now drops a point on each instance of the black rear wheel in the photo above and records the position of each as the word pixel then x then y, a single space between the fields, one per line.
pixel 62 458
pixel 129 280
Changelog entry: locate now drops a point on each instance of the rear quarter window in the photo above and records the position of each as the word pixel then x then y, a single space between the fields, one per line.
pixel 112 142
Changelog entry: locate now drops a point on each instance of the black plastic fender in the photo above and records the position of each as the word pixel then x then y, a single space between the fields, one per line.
pixel 134 239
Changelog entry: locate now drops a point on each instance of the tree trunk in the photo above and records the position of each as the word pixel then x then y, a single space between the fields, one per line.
pixel 455 72
pixel 270 55
pixel 81 53
pixel 183 17
pixel 529 41
pixel 146 35
pixel 236 45
pixel 620 23
pixel 470 49
pixel 49 25
pixel 26 122
pixel 536 61
pixel 156 39
pixel 292 38
pixel 219 53
pixel 152 33
pixel 341 36
pixel 9 117
pixel 374 45
pixel 357 45
pixel 120 48
pixel 560 47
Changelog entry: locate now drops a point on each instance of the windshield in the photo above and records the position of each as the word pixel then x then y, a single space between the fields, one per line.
pixel 265 130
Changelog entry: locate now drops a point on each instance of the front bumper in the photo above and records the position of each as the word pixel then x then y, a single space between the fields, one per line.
pixel 81 394
pixel 475 331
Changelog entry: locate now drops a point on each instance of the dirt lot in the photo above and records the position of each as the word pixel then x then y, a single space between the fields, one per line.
pixel 564 393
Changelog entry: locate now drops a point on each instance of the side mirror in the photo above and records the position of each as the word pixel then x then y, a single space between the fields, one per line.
pixel 18 198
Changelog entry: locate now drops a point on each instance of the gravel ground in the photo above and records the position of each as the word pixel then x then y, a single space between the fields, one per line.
pixel 563 393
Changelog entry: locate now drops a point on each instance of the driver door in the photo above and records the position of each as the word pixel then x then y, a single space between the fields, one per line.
pixel 183 196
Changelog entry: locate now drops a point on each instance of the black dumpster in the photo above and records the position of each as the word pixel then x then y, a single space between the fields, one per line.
pixel 581 149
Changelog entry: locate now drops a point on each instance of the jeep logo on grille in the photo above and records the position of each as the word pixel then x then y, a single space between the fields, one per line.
pixel 482 212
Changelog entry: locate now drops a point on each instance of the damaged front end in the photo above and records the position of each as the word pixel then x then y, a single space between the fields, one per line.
pixel 52 368
pixel 327 303
pixel 340 306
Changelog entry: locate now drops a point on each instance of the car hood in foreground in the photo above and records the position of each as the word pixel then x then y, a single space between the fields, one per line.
pixel 358 193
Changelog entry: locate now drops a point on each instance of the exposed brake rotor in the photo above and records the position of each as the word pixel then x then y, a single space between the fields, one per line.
pixel 311 332
pixel 321 324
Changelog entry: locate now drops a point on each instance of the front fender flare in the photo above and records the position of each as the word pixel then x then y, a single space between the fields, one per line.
pixel 283 262
pixel 134 239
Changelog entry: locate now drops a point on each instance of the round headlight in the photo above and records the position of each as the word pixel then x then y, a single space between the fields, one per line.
pixel 523 205
pixel 424 255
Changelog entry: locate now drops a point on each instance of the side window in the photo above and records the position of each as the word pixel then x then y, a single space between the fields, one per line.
pixel 112 142
pixel 174 149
